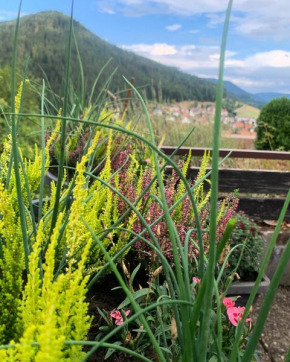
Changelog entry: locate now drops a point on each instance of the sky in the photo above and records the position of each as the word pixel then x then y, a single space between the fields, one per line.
pixel 187 33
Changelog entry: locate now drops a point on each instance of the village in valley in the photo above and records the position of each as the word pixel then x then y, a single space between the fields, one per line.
pixel 238 124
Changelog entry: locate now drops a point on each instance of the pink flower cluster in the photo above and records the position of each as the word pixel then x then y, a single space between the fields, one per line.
pixel 235 314
pixel 196 280
pixel 118 316
pixel 182 216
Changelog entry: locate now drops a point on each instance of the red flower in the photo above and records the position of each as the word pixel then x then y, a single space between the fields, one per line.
pixel 118 316
pixel 228 302
pixel 196 280
pixel 235 315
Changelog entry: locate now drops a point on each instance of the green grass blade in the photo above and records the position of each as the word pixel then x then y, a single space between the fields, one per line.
pixel 26 183
pixel 129 295
pixel 259 278
pixel 63 125
pixel 205 329
pixel 41 186
pixel 81 71
pixel 96 81
pixel 263 314
pixel 15 148
pixel 269 296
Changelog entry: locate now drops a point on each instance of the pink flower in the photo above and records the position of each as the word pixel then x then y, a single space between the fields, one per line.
pixel 118 316
pixel 228 302
pixel 196 280
pixel 235 315
pixel 147 160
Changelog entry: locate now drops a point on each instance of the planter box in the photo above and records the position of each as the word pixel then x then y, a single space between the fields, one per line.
pixel 49 177
pixel 279 248
pixel 243 289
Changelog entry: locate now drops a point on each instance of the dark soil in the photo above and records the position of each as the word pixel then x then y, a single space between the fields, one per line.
pixel 274 342
pixel 116 357
pixel 103 297
pixel 275 339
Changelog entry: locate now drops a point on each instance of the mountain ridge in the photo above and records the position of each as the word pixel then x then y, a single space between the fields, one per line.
pixel 46 46
pixel 256 99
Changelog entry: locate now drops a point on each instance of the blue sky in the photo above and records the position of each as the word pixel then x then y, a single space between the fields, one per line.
pixel 187 33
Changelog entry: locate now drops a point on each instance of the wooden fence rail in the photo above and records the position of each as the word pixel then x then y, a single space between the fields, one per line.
pixel 272 184
pixel 199 151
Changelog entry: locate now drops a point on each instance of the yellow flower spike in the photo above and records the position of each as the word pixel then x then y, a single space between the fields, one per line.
pixel 53 137
pixel 76 231
pixel 87 111
pixel 198 192
pixel 222 210
pixel 11 268
pixel 48 267
pixel 5 158
pixel 3 355
pixel 181 188
pixel 25 351
pixel 51 345
pixel 18 96
pixel 30 309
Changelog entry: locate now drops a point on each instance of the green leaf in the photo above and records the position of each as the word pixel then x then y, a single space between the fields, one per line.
pixel 102 314
pixel 213 359
pixel 136 295
pixel 139 330
pixel 112 350
pixel 135 271
pixel 104 329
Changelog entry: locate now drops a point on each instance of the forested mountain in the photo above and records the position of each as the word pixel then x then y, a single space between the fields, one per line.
pixel 43 37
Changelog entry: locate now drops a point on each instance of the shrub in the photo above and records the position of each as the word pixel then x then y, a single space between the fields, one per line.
pixel 248 233
pixel 79 136
pixel 182 214
pixel 274 126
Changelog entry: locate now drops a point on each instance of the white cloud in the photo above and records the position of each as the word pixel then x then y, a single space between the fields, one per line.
pixel 271 59
pixel 255 17
pixel 173 27
pixel 108 11
pixel 194 31
pixel 261 71
pixel 152 51
pixel 6 15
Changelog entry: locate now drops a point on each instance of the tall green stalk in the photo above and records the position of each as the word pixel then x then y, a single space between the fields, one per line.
pixel 63 125
pixel 134 304
pixel 41 186
pixel 267 304
pixel 254 291
pixel 205 329
pixel 14 144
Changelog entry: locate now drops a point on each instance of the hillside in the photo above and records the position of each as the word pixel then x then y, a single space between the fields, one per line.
pixel 255 99
pixel 43 38
pixel 247 111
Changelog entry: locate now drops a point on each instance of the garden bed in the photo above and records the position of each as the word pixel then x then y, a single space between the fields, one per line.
pixel 275 339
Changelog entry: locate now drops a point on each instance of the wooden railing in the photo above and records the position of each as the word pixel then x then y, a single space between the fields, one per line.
pixel 272 184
